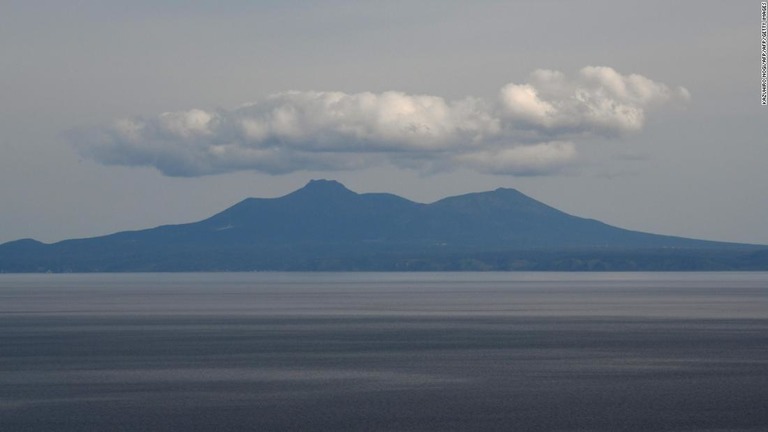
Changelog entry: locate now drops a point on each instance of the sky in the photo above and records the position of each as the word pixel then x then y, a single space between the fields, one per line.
pixel 128 115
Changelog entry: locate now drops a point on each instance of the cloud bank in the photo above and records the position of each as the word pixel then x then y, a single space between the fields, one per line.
pixel 529 129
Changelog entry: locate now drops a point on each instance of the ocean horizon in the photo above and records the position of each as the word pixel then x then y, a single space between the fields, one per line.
pixel 384 351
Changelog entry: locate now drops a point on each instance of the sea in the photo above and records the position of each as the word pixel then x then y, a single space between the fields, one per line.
pixel 193 352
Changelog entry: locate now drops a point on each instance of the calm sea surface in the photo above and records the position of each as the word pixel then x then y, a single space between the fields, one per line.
pixel 384 352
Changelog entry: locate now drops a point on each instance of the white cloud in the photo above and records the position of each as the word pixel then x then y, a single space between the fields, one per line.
pixel 598 100
pixel 522 101
pixel 527 130
pixel 362 122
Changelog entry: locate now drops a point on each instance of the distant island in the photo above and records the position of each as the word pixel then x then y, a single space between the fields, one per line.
pixel 326 227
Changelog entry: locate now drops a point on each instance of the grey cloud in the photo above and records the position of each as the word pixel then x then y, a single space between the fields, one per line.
pixel 536 159
pixel 528 130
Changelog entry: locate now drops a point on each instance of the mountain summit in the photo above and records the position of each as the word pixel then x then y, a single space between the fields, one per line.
pixel 325 226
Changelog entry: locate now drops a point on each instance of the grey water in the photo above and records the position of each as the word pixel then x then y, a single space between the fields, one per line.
pixel 384 352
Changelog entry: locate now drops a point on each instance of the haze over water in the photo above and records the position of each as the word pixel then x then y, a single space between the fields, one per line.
pixel 384 352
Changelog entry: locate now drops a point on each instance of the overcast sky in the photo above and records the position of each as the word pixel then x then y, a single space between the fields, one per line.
pixel 128 115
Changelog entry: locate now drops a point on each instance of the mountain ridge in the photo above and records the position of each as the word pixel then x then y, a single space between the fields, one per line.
pixel 325 225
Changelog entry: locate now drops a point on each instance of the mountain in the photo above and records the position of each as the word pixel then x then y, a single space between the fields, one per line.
pixel 325 226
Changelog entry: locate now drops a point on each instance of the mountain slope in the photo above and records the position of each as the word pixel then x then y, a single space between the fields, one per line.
pixel 326 226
